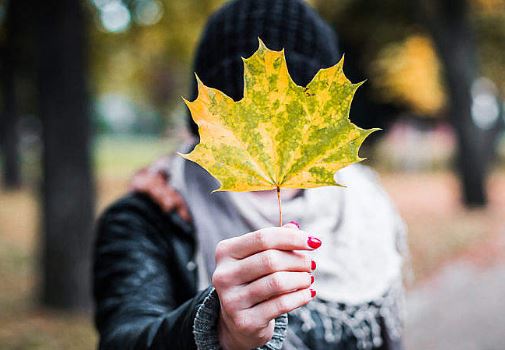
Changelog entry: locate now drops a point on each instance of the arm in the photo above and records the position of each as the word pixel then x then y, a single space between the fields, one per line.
pixel 260 268
pixel 137 298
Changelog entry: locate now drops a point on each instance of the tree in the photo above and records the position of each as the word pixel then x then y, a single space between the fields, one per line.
pixel 9 136
pixel 449 24
pixel 68 191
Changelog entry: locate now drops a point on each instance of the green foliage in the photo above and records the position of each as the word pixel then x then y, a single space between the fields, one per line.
pixel 148 63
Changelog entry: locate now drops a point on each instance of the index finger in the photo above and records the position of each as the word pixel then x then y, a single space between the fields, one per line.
pixel 281 238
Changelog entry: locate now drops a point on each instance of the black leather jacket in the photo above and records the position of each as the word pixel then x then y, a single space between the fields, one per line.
pixel 145 282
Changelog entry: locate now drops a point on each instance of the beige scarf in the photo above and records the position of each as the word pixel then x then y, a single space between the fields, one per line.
pixel 360 259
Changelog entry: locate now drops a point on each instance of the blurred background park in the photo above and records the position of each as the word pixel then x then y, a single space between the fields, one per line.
pixel 90 91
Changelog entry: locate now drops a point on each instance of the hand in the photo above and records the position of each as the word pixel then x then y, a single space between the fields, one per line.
pixel 153 181
pixel 259 276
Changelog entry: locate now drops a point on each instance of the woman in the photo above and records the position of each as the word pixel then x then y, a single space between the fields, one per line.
pixel 177 267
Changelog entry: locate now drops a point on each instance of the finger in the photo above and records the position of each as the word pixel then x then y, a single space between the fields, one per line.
pixel 167 202
pixel 176 199
pixel 139 180
pixel 281 304
pixel 174 202
pixel 273 285
pixel 146 182
pixel 168 198
pixel 268 238
pixel 165 176
pixel 179 205
pixel 184 213
pixel 159 195
pixel 267 262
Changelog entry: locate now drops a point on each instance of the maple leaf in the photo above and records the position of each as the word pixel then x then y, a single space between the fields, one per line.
pixel 279 135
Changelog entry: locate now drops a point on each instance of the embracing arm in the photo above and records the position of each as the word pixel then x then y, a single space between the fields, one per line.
pixel 138 288
pixel 259 278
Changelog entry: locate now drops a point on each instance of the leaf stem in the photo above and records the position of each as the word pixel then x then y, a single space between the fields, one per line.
pixel 280 205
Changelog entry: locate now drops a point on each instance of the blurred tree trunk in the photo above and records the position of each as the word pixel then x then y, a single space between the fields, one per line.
pixel 68 191
pixel 9 134
pixel 449 24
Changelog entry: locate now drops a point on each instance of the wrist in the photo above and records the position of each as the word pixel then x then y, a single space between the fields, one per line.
pixel 227 339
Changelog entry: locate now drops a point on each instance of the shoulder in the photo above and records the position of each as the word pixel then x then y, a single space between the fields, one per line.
pixel 131 221
pixel 367 190
pixel 361 178
pixel 132 206
pixel 364 187
pixel 136 216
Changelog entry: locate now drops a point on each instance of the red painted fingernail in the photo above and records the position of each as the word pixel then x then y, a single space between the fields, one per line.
pixel 313 242
pixel 294 222
pixel 311 279
pixel 313 265
pixel 313 293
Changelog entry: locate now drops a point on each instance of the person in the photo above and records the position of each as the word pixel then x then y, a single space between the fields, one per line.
pixel 179 267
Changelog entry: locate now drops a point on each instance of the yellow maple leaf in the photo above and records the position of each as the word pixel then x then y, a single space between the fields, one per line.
pixel 279 135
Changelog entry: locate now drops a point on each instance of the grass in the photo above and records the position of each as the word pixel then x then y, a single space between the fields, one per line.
pixel 440 230
pixel 117 157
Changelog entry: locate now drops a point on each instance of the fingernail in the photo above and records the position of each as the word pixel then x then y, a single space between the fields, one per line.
pixel 313 242
pixel 313 265
pixel 312 293
pixel 311 279
pixel 294 222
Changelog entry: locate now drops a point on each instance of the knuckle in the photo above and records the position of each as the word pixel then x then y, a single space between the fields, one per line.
pixel 269 260
pixel 229 303
pixel 283 306
pixel 260 239
pixel 253 294
pixel 274 282
pixel 221 250
pixel 157 192
pixel 244 324
pixel 219 278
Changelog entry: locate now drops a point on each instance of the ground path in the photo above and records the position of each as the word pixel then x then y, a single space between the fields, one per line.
pixel 463 306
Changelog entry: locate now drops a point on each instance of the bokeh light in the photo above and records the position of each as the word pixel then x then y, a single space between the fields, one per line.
pixel 114 15
pixel 148 12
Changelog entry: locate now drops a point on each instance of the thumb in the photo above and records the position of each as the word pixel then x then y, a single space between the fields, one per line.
pixel 292 224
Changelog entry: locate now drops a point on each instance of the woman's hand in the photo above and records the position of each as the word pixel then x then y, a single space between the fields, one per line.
pixel 259 276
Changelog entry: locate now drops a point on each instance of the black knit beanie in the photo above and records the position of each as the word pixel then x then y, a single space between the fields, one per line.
pixel 232 32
